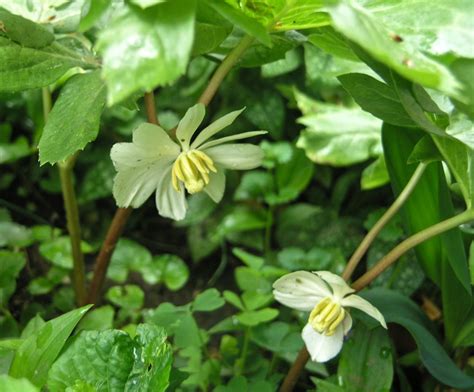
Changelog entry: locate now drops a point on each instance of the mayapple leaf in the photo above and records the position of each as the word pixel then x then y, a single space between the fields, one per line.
pixel 364 28
pixel 146 48
pixel 36 354
pixel 24 68
pixel 75 118
pixel 24 31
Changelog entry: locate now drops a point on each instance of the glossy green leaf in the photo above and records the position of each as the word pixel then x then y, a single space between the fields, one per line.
pixel 398 309
pixel 375 175
pixel 11 263
pixel 26 68
pixel 332 42
pixel 75 118
pixel 435 26
pixel 24 31
pixel 58 251
pixel 128 255
pixel 130 296
pixel 366 361
pixel 207 301
pixel 10 384
pixel 377 98
pixel 112 361
pixel 98 319
pixel 240 19
pixel 208 37
pixel 37 353
pixel 62 16
pixel 97 9
pixel 143 49
pixel 252 318
pixel 333 130
pixel 363 27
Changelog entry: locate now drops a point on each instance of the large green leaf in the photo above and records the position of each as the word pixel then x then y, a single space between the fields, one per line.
pixel 435 26
pixel 397 308
pixel 112 361
pixel 377 98
pixel 443 258
pixel 24 31
pixel 363 27
pixel 63 16
pixel 75 118
pixel 334 130
pixel 366 362
pixel 36 354
pixel 282 15
pixel 10 384
pixel 25 68
pixel 145 48
pixel 11 263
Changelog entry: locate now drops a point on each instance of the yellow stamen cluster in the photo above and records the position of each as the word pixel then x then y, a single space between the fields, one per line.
pixel 326 316
pixel 192 168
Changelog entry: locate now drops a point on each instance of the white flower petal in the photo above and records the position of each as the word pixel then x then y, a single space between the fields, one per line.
pixel 132 187
pixel 150 144
pixel 189 123
pixel 154 139
pixel 322 348
pixel 354 301
pixel 300 290
pixel 215 127
pixel 236 156
pixel 170 204
pixel 215 188
pixel 347 323
pixel 244 135
pixel 338 285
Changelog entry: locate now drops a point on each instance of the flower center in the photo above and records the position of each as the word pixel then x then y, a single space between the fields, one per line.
pixel 192 168
pixel 326 316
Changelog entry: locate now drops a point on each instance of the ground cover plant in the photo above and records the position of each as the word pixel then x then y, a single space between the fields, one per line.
pixel 236 195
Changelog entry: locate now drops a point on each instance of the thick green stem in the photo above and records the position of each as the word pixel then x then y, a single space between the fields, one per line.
pixel 74 228
pixel 373 233
pixel 72 213
pixel 410 243
pixel 223 69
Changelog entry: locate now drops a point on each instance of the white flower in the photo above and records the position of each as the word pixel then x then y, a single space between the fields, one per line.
pixel 327 296
pixel 154 162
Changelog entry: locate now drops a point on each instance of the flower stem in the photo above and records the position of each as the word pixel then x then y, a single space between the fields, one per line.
pixel 73 227
pixel 150 108
pixel 292 377
pixel 223 69
pixel 103 259
pixel 245 349
pixel 72 212
pixel 377 228
pixel 410 243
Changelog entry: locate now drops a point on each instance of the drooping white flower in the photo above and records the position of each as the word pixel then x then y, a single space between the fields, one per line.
pixel 154 162
pixel 326 296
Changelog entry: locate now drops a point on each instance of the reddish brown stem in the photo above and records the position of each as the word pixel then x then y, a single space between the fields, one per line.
pixel 295 371
pixel 105 254
pixel 150 108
